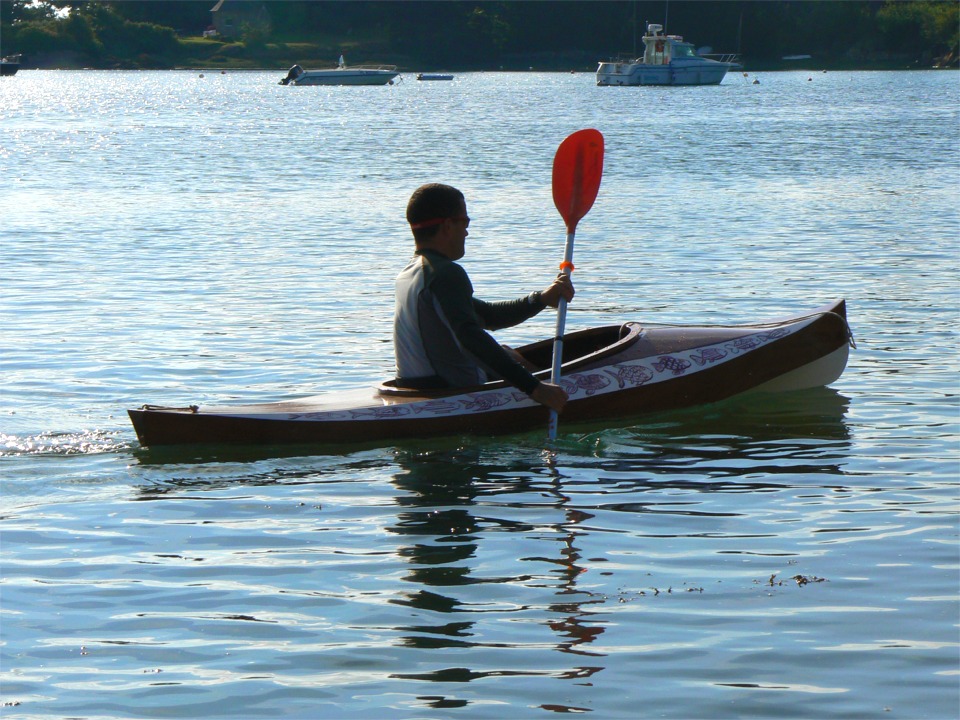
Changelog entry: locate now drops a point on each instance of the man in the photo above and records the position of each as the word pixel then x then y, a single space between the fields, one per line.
pixel 440 330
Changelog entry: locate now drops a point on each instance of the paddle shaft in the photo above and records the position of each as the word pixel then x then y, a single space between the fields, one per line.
pixel 566 268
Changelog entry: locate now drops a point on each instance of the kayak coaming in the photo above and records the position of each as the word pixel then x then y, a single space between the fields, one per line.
pixel 645 370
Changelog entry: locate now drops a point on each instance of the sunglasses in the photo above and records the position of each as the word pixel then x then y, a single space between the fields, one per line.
pixel 437 221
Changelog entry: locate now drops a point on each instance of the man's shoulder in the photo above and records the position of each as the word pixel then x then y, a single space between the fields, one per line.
pixel 445 278
pixel 436 264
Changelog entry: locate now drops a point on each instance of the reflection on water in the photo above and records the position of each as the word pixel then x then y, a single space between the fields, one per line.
pixel 450 502
pixel 817 414
pixel 628 564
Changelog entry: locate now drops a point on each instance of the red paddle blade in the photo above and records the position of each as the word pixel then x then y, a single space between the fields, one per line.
pixel 577 169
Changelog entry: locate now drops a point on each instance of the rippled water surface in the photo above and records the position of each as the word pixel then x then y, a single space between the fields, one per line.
pixel 172 238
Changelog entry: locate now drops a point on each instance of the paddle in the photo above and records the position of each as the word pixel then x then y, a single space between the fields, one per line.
pixel 577 168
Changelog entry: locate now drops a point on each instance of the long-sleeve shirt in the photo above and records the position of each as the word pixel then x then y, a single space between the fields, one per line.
pixel 440 330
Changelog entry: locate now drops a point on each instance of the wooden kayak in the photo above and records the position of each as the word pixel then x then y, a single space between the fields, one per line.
pixel 610 372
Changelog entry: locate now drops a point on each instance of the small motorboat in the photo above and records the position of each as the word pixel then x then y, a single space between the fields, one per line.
pixel 611 372
pixel 434 76
pixel 667 60
pixel 9 65
pixel 342 75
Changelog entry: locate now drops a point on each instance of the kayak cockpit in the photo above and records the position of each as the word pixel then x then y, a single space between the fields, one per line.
pixel 581 350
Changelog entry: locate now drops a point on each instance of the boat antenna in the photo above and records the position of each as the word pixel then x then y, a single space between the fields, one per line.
pixel 739 32
pixel 666 17
pixel 634 28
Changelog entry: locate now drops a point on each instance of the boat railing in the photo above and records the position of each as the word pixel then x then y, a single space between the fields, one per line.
pixel 390 68
pixel 732 59
pixel 624 59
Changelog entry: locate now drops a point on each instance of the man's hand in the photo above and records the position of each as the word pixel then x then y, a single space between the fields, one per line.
pixel 562 287
pixel 553 396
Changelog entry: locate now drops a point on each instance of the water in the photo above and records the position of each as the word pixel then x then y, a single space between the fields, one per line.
pixel 171 238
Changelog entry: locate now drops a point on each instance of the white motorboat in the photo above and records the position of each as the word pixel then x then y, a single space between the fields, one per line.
pixel 9 65
pixel 667 60
pixel 342 75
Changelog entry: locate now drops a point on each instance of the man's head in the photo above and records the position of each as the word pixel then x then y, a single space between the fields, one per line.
pixel 438 219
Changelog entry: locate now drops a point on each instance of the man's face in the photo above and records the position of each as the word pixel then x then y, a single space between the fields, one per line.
pixel 451 238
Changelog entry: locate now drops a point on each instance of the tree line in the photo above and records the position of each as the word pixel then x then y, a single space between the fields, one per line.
pixel 465 35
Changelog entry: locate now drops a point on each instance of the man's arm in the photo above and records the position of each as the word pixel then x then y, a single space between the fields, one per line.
pixel 453 291
pixel 508 313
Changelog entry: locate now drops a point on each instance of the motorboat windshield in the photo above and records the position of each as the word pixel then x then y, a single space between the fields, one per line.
pixel 683 50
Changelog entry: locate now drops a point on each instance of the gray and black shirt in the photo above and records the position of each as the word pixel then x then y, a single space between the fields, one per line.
pixel 440 330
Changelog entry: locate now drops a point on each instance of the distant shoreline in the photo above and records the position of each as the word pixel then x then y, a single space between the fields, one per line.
pixel 227 69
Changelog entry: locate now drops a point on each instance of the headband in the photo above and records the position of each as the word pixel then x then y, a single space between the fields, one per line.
pixel 427 223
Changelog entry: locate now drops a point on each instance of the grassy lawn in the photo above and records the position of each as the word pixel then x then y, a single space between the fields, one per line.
pixel 199 52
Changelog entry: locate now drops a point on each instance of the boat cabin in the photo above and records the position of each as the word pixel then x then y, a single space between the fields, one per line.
pixel 661 49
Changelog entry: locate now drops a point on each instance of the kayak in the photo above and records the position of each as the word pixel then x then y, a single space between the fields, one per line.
pixel 612 372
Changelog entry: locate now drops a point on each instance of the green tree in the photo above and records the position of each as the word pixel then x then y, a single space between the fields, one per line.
pixel 930 27
pixel 489 24
pixel 484 34
pixel 78 28
pixel 186 17
pixel 254 37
